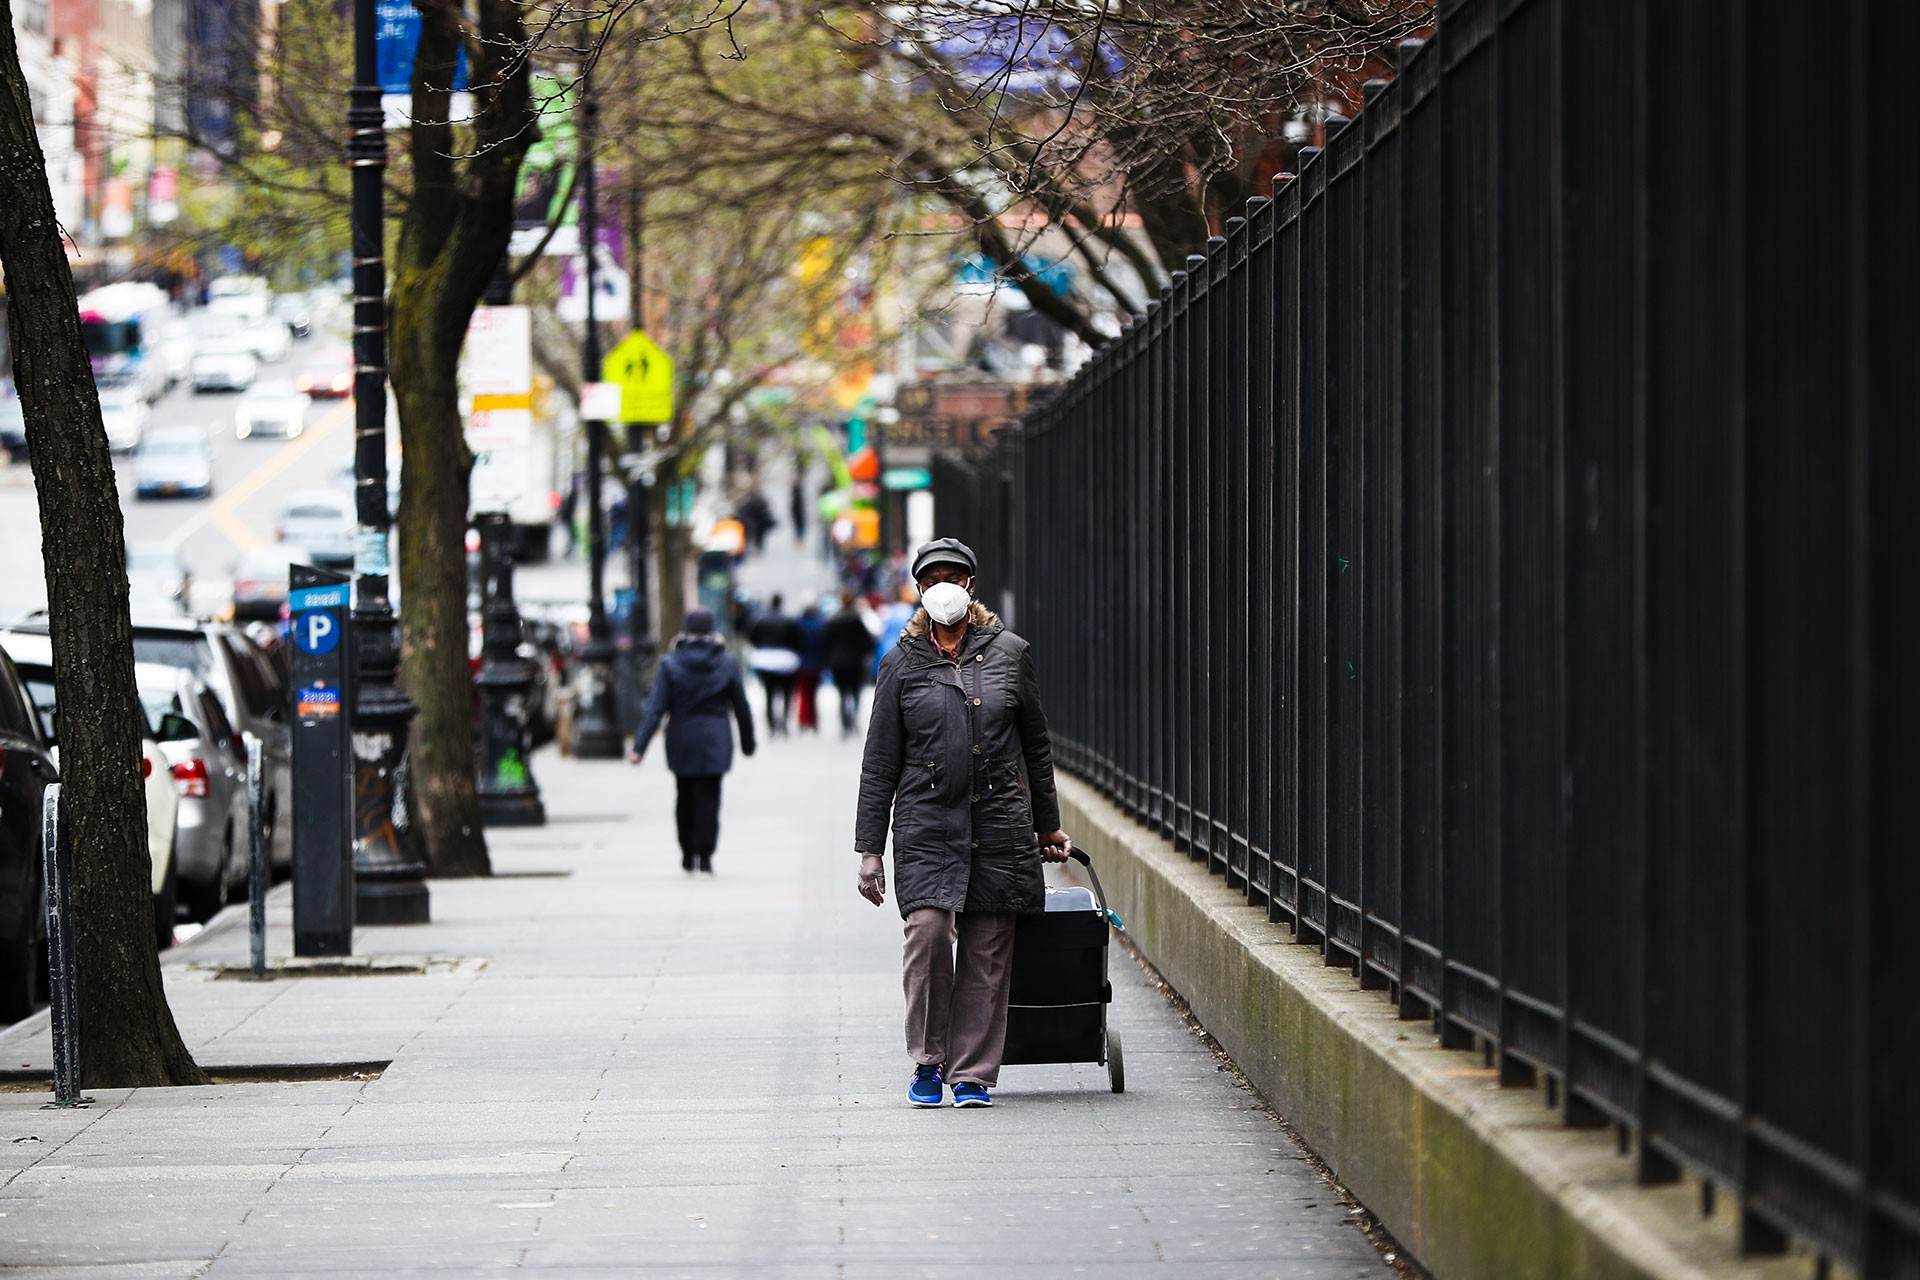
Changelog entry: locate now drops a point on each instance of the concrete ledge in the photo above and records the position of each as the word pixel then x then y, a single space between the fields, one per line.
pixel 1475 1180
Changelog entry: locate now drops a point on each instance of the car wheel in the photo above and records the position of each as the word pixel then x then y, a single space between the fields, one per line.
pixel 204 901
pixel 23 967
pixel 166 905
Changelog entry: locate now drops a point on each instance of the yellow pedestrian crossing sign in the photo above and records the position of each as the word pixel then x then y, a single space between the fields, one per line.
pixel 644 374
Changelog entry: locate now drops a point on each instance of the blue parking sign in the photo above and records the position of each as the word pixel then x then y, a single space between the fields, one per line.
pixel 316 631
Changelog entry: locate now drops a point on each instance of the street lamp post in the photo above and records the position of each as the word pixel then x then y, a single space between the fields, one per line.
pixel 509 796
pixel 389 878
pixel 596 734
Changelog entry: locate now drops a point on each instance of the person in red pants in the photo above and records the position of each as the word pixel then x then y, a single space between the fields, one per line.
pixel 806 681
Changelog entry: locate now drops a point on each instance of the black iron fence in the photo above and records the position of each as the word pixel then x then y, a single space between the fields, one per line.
pixel 1496 557
pixel 977 495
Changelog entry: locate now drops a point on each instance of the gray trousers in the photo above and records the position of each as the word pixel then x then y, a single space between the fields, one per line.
pixel 956 969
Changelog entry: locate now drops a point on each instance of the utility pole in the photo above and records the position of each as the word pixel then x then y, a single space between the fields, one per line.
pixel 596 734
pixel 389 877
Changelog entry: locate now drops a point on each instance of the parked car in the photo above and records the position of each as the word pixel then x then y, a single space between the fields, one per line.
pixel 224 364
pixel 260 581
pixel 124 413
pixel 207 763
pixel 33 658
pixel 156 571
pixel 272 408
pixel 322 521
pixel 174 461
pixel 26 767
pixel 13 427
pixel 330 376
pixel 252 691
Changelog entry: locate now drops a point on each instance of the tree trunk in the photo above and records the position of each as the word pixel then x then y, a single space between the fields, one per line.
pixel 669 565
pixel 453 237
pixel 434 466
pixel 128 1037
pixel 671 545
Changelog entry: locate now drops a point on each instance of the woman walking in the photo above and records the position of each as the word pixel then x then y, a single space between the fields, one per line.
pixel 957 754
pixel 697 686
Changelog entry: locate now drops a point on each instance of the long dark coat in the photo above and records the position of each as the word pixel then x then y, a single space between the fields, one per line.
pixel 958 755
pixel 695 688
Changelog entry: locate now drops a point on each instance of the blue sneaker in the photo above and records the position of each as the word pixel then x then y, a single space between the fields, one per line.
pixel 968 1094
pixel 926 1089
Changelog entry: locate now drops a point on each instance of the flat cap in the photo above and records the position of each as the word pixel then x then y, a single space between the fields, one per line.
pixel 944 551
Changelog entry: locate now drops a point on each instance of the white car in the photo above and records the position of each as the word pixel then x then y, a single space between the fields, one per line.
pixel 322 521
pixel 125 415
pixel 275 408
pixel 32 654
pixel 269 341
pixel 173 461
pixel 224 364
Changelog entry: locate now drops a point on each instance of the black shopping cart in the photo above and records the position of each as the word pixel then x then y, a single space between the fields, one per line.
pixel 1057 1011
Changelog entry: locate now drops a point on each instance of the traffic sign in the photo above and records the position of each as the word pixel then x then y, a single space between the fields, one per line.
pixel 315 631
pixel 645 375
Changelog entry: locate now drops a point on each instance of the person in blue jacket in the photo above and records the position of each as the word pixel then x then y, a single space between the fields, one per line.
pixel 697 686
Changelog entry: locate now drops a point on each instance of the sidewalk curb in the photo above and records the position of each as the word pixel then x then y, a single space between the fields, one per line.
pixel 178 956
pixel 1475 1180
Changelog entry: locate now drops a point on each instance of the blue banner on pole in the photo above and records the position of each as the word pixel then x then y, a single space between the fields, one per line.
pixel 399 37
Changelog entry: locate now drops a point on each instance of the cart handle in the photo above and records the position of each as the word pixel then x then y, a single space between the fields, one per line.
pixel 1079 856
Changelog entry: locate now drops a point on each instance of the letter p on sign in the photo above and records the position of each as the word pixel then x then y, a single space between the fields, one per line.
pixel 316 632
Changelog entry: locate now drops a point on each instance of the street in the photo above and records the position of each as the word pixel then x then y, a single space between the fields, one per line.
pixel 252 478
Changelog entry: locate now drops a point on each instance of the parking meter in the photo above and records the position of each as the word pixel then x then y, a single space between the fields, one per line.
pixel 322 683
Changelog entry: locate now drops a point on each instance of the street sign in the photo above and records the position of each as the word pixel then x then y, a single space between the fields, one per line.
pixel 906 478
pixel 317 632
pixel 322 682
pixel 645 375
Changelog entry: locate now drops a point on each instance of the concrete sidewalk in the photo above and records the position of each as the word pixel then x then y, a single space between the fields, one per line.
pixel 602 1067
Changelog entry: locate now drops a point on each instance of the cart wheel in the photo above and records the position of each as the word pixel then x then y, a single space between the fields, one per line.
pixel 1116 1062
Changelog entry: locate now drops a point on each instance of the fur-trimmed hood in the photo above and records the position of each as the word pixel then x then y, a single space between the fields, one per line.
pixel 978 615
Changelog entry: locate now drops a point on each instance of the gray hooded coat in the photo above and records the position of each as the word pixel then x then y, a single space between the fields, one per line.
pixel 958 756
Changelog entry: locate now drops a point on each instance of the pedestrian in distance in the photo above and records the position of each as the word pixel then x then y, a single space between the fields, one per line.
pixel 958 759
pixel 775 659
pixel 813 661
pixel 847 646
pixel 696 688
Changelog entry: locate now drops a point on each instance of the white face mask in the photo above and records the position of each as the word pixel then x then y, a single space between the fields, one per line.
pixel 946 602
